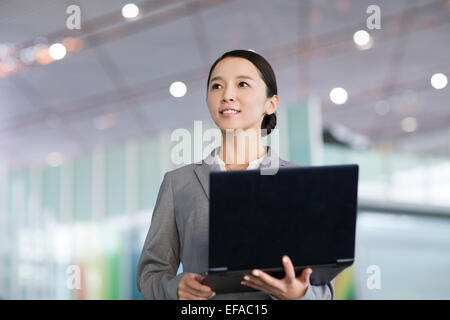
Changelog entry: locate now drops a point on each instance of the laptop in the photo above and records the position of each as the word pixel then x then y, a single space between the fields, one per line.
pixel 307 213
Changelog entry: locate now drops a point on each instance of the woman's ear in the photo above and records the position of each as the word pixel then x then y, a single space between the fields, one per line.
pixel 272 104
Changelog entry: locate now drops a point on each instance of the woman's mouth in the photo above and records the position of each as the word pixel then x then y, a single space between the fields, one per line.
pixel 229 112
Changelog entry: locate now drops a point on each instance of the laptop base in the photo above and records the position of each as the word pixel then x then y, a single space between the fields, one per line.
pixel 230 281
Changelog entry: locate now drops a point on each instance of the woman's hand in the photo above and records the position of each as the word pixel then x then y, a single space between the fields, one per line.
pixel 288 288
pixel 191 288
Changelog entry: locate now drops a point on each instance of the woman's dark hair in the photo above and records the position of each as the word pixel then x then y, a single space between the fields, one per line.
pixel 270 120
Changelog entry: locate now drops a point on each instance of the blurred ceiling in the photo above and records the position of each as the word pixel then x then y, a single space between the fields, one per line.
pixel 115 86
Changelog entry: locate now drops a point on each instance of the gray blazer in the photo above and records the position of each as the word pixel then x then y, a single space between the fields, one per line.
pixel 179 232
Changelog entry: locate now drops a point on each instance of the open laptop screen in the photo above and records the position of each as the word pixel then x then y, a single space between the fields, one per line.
pixel 308 213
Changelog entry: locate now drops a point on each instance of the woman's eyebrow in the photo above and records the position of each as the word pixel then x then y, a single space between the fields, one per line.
pixel 238 77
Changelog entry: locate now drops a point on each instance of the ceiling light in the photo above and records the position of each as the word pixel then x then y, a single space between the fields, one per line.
pixel 57 51
pixel 177 89
pixel 130 11
pixel 54 159
pixel 338 95
pixel 439 81
pixel 409 124
pixel 361 37
pixel 27 55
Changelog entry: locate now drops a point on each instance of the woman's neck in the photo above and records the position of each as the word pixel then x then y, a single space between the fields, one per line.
pixel 239 149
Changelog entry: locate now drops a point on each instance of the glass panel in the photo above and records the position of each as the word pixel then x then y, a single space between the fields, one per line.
pixel 149 173
pixel 115 181
pixel 51 188
pixel 82 180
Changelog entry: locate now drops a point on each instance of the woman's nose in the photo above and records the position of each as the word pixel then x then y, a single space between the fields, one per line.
pixel 228 94
pixel 225 99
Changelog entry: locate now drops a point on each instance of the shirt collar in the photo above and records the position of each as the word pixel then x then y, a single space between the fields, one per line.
pixel 252 165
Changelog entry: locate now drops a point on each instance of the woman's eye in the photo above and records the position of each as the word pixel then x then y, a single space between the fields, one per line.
pixel 215 86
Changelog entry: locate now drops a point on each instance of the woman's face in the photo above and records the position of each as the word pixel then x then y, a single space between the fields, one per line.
pixel 235 83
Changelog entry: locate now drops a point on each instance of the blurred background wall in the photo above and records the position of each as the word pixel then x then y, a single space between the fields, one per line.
pixel 87 116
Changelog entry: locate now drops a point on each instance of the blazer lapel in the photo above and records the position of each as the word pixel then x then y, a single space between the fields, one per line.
pixel 203 168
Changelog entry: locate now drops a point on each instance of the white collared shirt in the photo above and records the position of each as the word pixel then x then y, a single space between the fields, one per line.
pixel 252 165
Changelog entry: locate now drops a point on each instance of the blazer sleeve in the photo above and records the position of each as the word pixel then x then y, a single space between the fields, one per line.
pixel 160 257
pixel 324 292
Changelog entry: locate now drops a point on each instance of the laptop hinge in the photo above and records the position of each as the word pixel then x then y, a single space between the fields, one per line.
pixel 218 269
pixel 339 261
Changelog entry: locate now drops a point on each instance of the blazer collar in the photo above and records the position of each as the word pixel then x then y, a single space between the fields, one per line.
pixel 203 168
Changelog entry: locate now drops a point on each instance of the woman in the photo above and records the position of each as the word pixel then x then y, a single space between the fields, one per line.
pixel 242 98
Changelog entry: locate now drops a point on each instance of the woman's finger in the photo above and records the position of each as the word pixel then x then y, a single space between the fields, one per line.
pixel 190 284
pixel 288 269
pixel 196 284
pixel 186 294
pixel 262 283
pixel 305 275
pixel 257 286
pixel 267 279
pixel 198 293
pixel 189 296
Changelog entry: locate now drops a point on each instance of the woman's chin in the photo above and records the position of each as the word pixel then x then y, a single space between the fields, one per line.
pixel 236 126
pixel 224 127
